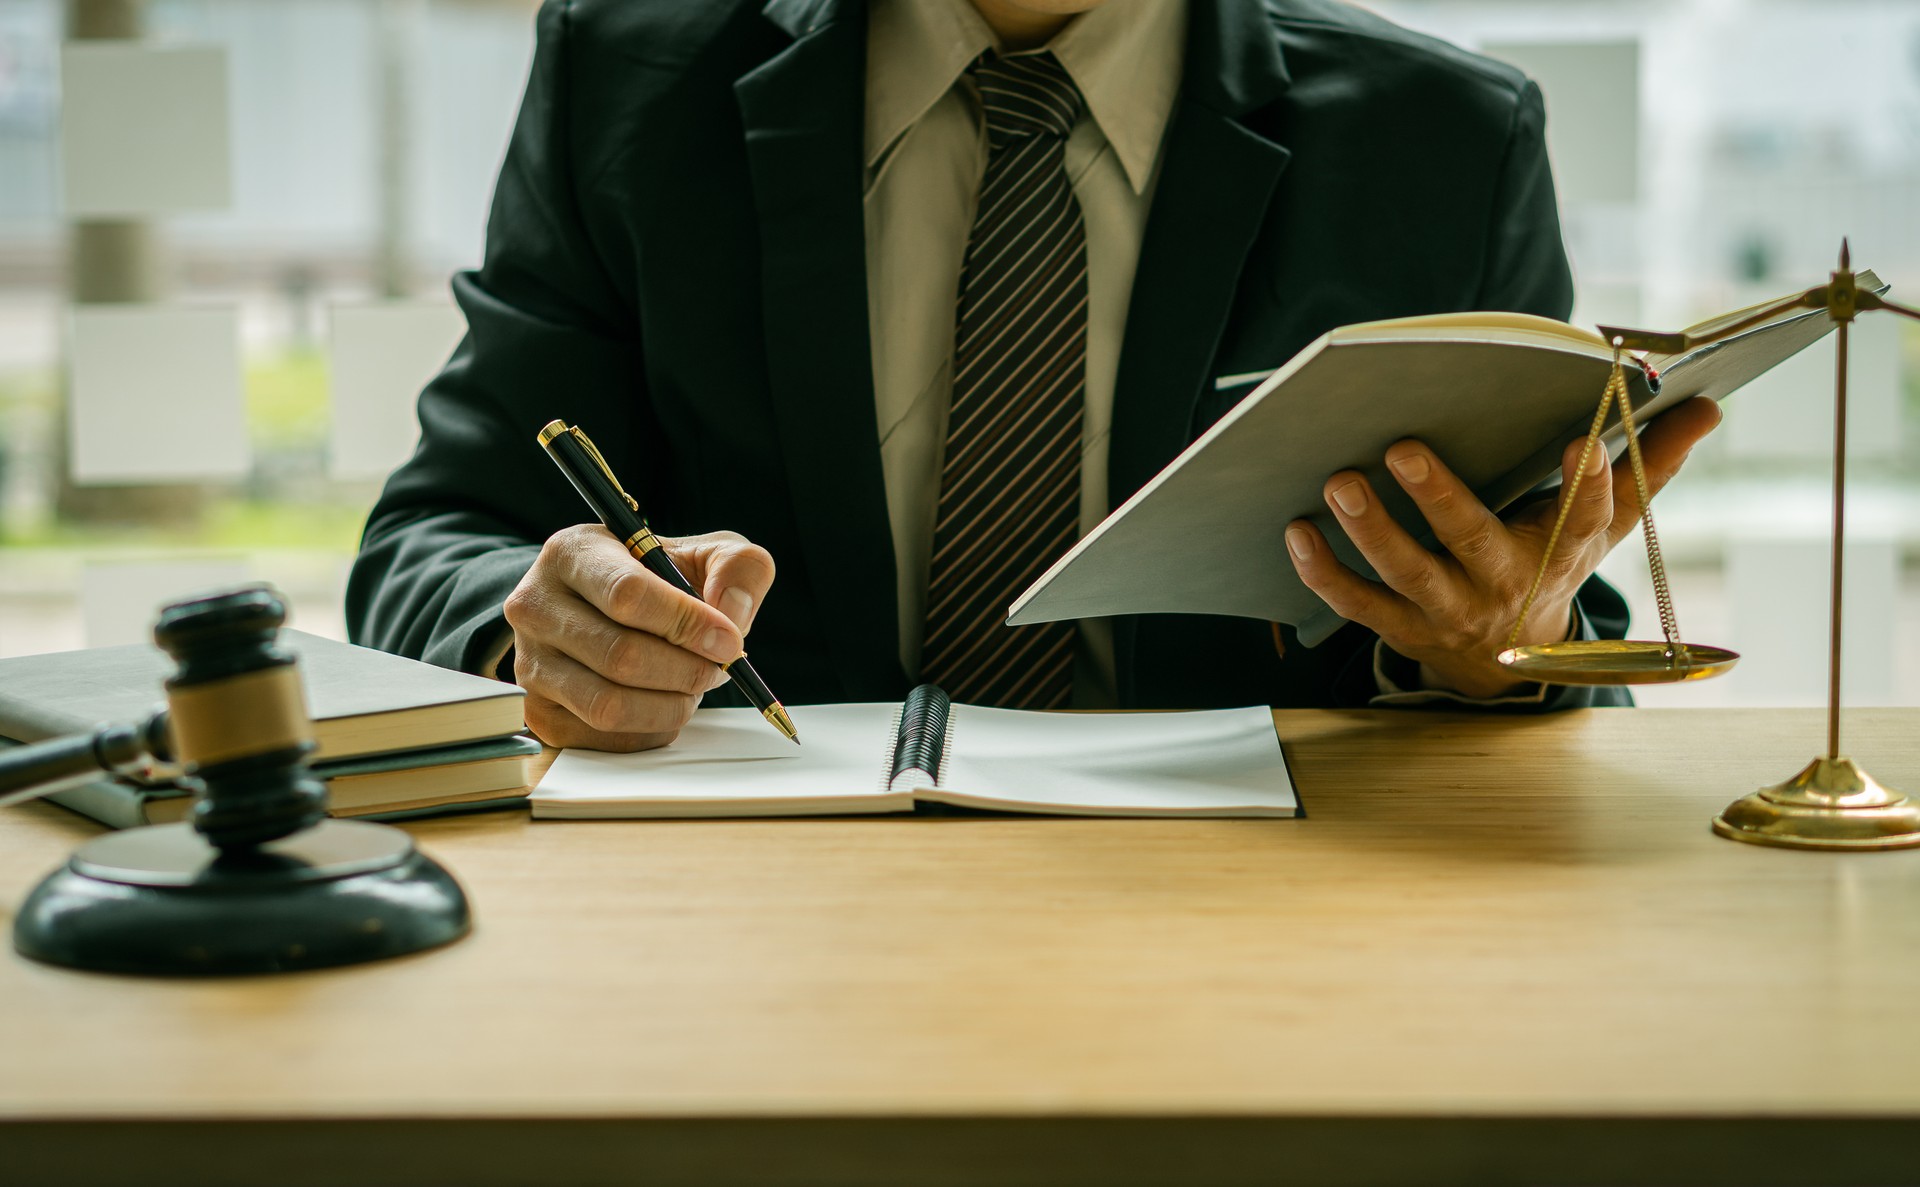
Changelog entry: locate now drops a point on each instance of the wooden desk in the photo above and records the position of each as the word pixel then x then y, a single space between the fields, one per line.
pixel 1498 950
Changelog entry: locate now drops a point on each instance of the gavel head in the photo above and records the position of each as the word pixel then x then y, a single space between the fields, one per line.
pixel 239 717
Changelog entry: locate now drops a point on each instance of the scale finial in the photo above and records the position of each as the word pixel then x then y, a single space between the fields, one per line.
pixel 1846 255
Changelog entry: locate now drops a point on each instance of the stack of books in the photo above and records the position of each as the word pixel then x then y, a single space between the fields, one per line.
pixel 393 737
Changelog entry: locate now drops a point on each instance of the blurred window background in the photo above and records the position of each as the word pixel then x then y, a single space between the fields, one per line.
pixel 272 309
pixel 226 228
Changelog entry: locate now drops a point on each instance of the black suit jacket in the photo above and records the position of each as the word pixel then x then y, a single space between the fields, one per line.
pixel 675 261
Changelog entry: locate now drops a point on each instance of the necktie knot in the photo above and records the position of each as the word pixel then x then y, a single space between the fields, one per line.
pixel 1026 95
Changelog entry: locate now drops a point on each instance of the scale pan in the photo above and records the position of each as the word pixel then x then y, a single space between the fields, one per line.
pixel 1616 661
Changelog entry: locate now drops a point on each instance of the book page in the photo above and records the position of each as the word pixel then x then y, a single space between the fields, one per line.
pixel 730 762
pixel 1218 762
pixel 1472 327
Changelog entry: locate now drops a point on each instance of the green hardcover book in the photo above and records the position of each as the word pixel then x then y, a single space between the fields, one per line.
pixel 362 701
pixel 418 781
pixel 470 777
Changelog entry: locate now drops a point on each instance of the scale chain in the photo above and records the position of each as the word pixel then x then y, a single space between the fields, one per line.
pixel 1616 389
pixel 1656 563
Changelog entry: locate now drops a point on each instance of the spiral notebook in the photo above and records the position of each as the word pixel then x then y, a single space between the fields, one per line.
pixel 889 758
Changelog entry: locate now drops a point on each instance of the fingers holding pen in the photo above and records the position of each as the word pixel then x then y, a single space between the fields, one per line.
pixel 569 624
pixel 731 572
pixel 570 704
pixel 610 655
pixel 647 593
pixel 595 565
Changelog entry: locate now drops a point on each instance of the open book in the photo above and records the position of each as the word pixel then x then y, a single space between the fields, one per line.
pixel 1497 395
pixel 886 758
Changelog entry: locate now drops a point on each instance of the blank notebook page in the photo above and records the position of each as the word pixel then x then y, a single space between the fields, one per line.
pixel 730 762
pixel 1223 762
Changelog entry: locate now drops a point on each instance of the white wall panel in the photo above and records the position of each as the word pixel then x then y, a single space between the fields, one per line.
pixel 1779 592
pixel 155 395
pixel 143 128
pixel 1788 412
pixel 119 600
pixel 382 356
pixel 1592 91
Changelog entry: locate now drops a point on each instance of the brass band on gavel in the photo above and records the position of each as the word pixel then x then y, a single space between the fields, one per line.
pixel 241 716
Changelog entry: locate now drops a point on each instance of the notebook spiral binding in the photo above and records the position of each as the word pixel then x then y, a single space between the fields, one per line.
pixel 921 740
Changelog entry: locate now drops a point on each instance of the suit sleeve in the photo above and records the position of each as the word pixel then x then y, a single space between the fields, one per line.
pixel 1526 271
pixel 459 524
pixel 1526 263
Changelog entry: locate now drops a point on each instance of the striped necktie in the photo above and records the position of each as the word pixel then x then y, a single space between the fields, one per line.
pixel 1010 481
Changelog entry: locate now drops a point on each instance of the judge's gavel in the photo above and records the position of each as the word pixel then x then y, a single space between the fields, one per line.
pixel 259 880
pixel 236 721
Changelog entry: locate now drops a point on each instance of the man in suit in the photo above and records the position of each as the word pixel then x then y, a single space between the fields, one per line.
pixel 727 240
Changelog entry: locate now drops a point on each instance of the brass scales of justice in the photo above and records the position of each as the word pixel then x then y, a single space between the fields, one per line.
pixel 1831 803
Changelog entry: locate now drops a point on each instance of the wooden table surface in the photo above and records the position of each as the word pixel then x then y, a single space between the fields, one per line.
pixel 1496 950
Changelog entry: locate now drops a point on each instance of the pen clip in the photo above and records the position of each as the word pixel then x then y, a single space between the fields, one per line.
pixel 594 452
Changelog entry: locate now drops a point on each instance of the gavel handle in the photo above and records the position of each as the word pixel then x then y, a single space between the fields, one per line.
pixel 28 772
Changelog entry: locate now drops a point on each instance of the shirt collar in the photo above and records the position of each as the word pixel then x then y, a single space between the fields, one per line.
pixel 1125 56
pixel 916 49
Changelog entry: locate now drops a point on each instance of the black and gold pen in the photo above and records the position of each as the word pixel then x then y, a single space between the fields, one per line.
pixel 573 451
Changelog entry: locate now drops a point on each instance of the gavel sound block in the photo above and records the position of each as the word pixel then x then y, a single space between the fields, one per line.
pixel 258 880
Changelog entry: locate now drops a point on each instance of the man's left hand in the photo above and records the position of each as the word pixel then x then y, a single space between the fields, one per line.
pixel 1450 610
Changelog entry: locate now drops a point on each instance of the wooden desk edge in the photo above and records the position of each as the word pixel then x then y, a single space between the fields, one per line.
pixel 1055 1152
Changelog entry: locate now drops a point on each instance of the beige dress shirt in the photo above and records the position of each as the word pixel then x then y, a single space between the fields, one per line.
pixel 926 151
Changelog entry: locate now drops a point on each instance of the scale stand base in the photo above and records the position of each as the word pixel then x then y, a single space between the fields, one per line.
pixel 1832 804
pixel 160 900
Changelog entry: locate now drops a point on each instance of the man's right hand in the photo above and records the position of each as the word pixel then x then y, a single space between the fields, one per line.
pixel 614 658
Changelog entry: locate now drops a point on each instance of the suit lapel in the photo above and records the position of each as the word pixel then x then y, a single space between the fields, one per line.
pixel 1215 186
pixel 802 112
pixel 1216 183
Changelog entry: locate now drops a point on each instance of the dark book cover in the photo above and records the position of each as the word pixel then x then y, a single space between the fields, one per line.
pixel 362 701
